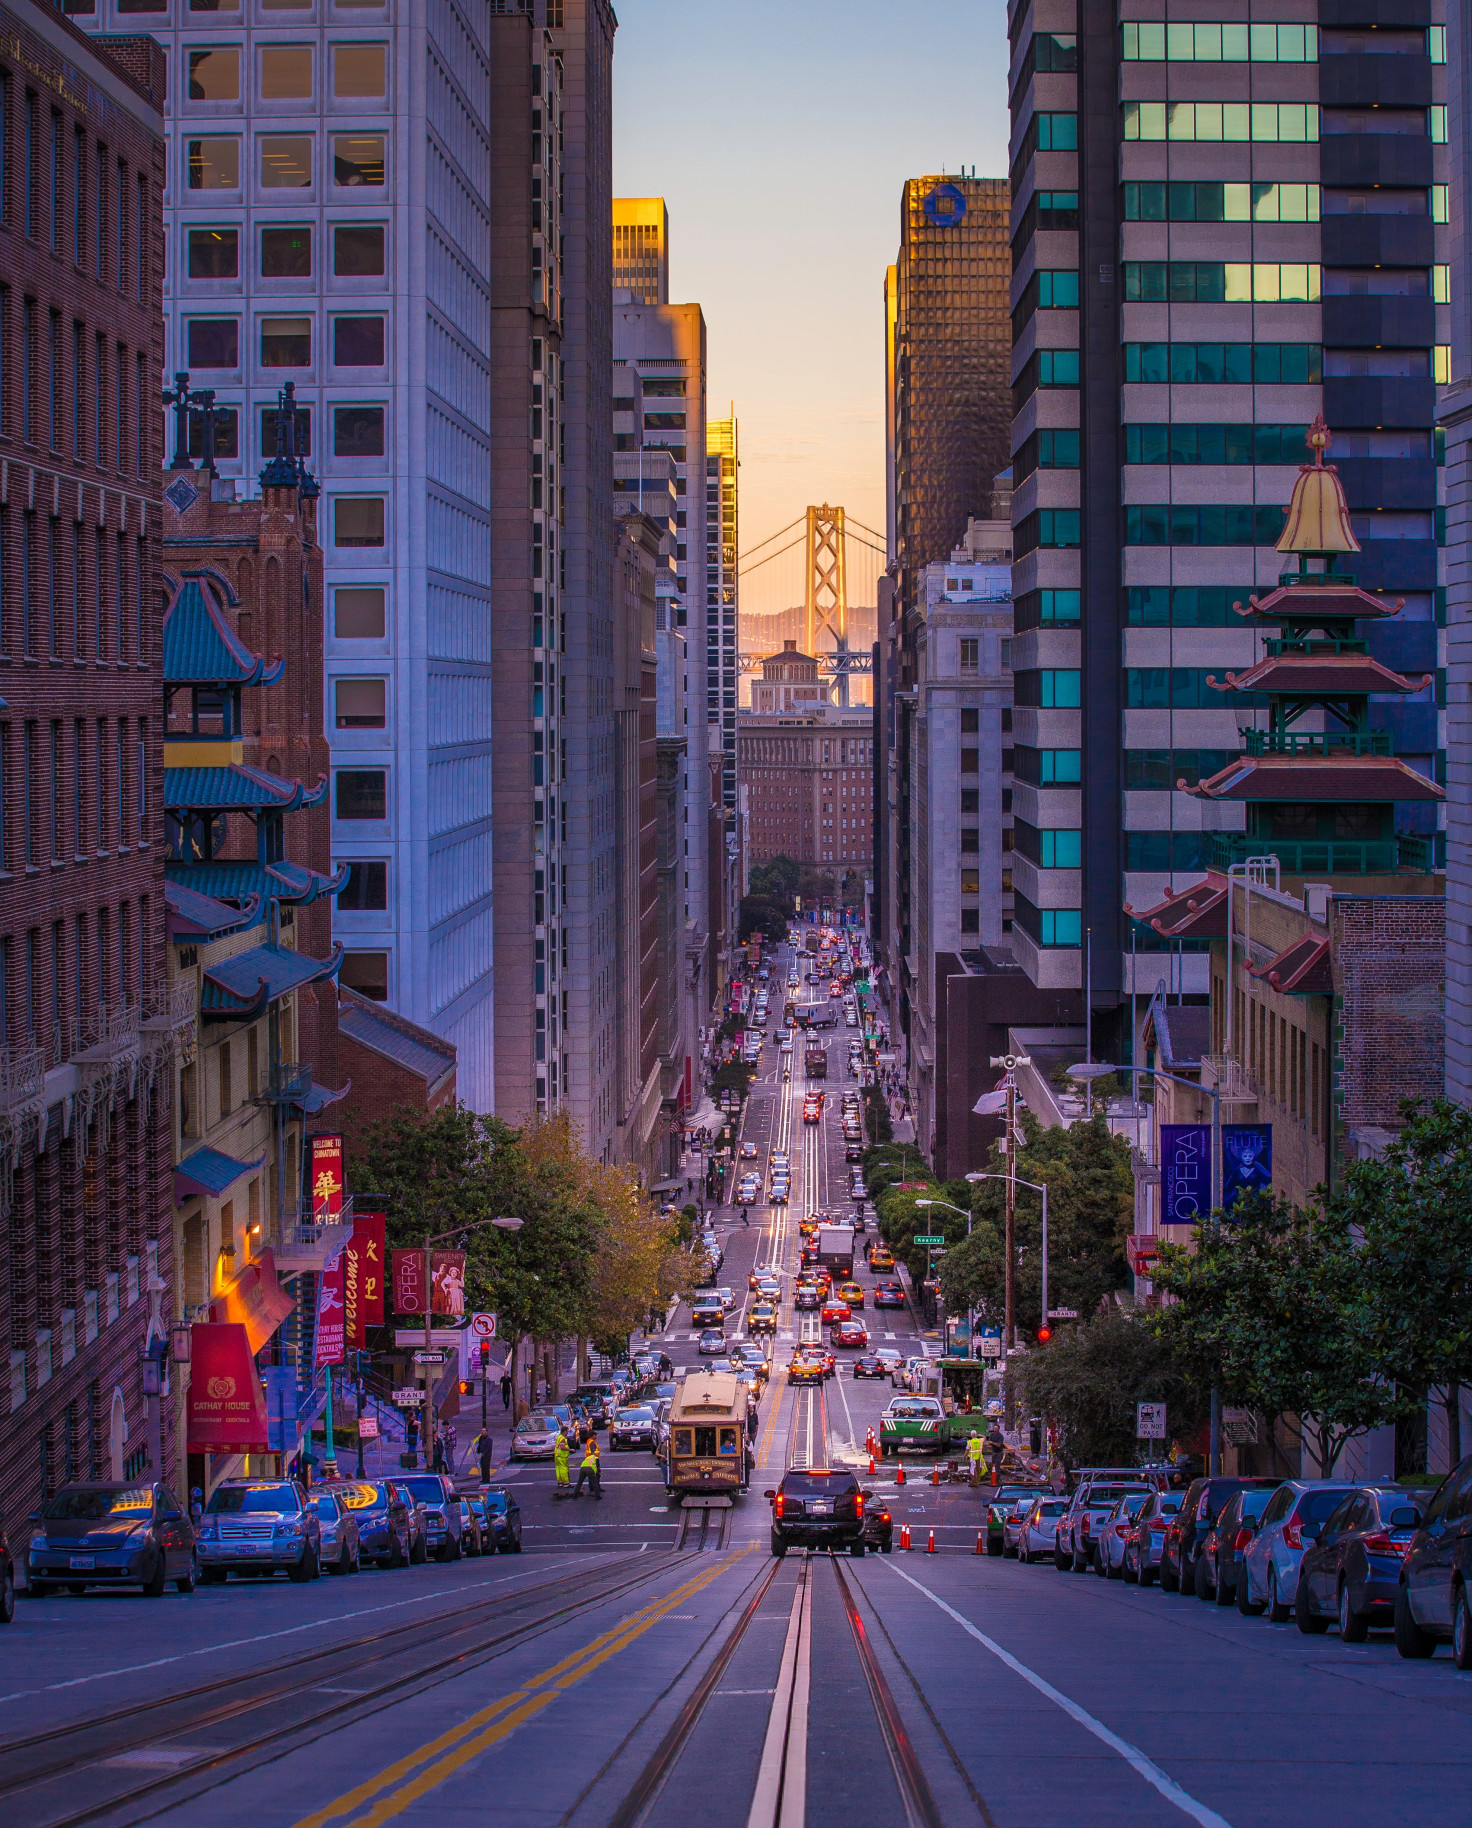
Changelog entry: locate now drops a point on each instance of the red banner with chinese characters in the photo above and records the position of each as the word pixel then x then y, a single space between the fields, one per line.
pixel 448 1273
pixel 331 1342
pixel 327 1179
pixel 362 1278
pixel 227 1407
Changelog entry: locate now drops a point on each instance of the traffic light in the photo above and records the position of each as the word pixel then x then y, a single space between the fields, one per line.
pixel 1044 1335
pixel 485 1353
pixel 465 1386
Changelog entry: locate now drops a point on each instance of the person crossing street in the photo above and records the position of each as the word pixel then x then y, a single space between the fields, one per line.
pixel 589 1470
pixel 559 1461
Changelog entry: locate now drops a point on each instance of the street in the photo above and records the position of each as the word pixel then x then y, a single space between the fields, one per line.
pixel 619 1673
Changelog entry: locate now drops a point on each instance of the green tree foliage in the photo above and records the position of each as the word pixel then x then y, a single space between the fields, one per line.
pixel 1090 1377
pixel 765 917
pixel 775 881
pixel 1090 1214
pixel 1273 1301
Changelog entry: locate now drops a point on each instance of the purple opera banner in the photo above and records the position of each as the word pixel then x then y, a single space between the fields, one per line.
pixel 1185 1173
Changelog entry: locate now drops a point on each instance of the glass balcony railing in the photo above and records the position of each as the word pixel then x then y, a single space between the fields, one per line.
pixel 1324 856
pixel 1316 742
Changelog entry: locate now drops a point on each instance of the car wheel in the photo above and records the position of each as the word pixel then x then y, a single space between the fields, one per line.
pixel 995 1547
pixel 7 1595
pixel 779 1548
pixel 1080 1562
pixel 1279 1609
pixel 1354 1627
pixel 38 1589
pixel 1098 1564
pixel 1145 1575
pixel 186 1583
pixel 76 1587
pixel 1246 1604
pixel 1304 1616
pixel 1461 1629
pixel 1224 1594
pixel 154 1588
pixel 1410 1639
pixel 856 1548
pixel 1202 1585
pixel 1111 1572
pixel 340 1566
pixel 1062 1561
pixel 418 1553
pixel 307 1568
pixel 212 1577
pixel 1170 1578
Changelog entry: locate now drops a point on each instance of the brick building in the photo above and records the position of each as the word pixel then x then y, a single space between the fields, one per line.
pixel 809 780
pixel 87 1029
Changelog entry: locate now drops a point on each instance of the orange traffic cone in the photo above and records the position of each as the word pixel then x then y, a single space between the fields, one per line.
pixel 871 1466
pixel 980 1548
pixel 899 1477
pixel 930 1548
pixel 904 1536
pixel 935 1475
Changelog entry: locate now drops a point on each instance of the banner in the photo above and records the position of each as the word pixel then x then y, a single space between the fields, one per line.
pixel 1247 1160
pixel 448 1275
pixel 331 1341
pixel 227 1407
pixel 362 1278
pixel 281 1395
pixel 1185 1173
pixel 327 1181
pixel 254 1300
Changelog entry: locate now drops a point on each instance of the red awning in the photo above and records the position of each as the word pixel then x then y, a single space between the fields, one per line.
pixel 255 1299
pixel 227 1406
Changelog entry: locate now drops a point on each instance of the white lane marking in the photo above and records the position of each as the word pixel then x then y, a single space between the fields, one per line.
pixel 266 1637
pixel 1132 1755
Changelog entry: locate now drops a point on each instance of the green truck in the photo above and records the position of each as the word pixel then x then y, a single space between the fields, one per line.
pixel 922 1422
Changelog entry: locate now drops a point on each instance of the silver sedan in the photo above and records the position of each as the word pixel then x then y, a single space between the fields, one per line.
pixel 1038 1535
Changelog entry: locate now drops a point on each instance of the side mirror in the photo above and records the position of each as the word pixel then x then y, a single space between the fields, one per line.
pixel 1311 1532
pixel 1405 1517
pixel 172 1516
pixel 769 1494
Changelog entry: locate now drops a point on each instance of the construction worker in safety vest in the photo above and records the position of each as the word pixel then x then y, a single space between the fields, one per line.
pixel 976 1454
pixel 559 1460
pixel 589 1470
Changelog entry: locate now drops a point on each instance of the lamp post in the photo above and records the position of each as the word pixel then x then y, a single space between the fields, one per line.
pixel 1086 1071
pixel 426 1429
pixel 1009 1064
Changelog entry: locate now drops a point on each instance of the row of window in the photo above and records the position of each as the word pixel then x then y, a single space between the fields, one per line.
pixel 1293 122
pixel 357 431
pixel 286 72
pixel 69 591
pixel 1217 444
pixel 1049 926
pixel 1146 606
pixel 1221 281
pixel 285 161
pixel 1160 201
pixel 65 386
pixel 1152 41
pixel 72 788
pixel 74 197
pixel 285 251
pixel 1224 364
pixel 1146 688
pixel 88 7
pixel 358 341
pixel 1048 609
pixel 1198 524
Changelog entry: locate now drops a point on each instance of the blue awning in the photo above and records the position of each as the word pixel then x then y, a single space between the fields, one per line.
pixel 207 1171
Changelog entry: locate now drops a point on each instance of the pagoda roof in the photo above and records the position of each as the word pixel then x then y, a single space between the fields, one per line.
pixel 1319 676
pixel 235 787
pixel 200 647
pixel 1353 778
pixel 1196 912
pixel 238 989
pixel 193 914
pixel 240 880
pixel 1337 600
pixel 1318 515
pixel 1302 969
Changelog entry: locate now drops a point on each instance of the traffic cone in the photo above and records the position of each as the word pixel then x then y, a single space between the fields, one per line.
pixel 904 1536
pixel 930 1548
pixel 871 1466
pixel 935 1475
pixel 899 1477
pixel 980 1548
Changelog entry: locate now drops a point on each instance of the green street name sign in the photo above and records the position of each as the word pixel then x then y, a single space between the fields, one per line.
pixel 928 1240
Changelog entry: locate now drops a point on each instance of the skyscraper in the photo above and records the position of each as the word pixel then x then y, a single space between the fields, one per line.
pixel 1220 230
pixel 722 609
pixel 641 250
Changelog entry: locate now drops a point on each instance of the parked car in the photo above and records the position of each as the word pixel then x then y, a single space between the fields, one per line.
pixel 1352 1573
pixel 500 1518
pixel 601 1398
pixel 1186 1532
pixel 444 1523
pixel 1012 1517
pixel 535 1436
pixel 340 1549
pixel 1293 1518
pixel 1145 1539
pixel 878 1526
pixel 630 1428
pixel 383 1516
pixel 1109 1538
pixel 820 1509
pixel 1038 1534
pixel 105 1534
pixel 1431 1598
pixel 1088 1510
pixel 1226 1543
pixel 259 1526
pixel 999 1506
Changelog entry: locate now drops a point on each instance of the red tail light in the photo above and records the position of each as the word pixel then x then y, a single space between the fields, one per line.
pixel 1293 1534
pixel 1383 1545
pixel 1240 1541
pixel 1085 1527
pixel 777 1505
pixel 859 1505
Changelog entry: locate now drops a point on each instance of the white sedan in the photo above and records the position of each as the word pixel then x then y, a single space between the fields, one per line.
pixel 1039 1533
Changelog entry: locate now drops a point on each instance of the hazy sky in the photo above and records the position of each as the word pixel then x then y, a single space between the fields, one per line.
pixel 780 133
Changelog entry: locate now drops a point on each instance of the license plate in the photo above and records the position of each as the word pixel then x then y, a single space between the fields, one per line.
pixel 83 1561
pixel 820 1510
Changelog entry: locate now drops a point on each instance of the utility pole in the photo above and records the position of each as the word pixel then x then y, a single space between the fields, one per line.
pixel 1009 1064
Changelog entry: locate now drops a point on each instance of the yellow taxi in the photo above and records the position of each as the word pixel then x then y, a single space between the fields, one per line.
pixel 851 1293
pixel 881 1259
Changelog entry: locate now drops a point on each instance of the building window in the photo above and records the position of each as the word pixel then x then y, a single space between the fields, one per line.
pixel 1291 122
pixel 362 793
pixel 1188 42
pixel 359 71
pixel 303 438
pixel 366 889
pixel 357 160
pixel 357 342
pixel 367 973
pixel 1220 282
pixel 214 253
pixel 970 654
pixel 214 76
pixel 361 704
pixel 286 342
pixel 971 920
pixel 358 250
pixel 227 433
pixel 213 342
pixel 286 253
pixel 359 613
pixel 214 164
pixel 1159 201
pixel 286 72
pixel 358 520
pixel 286 161
pixel 357 431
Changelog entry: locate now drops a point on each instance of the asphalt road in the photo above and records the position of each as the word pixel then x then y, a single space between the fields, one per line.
pixel 605 1678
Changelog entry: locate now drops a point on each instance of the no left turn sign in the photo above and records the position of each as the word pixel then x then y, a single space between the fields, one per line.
pixel 483 1326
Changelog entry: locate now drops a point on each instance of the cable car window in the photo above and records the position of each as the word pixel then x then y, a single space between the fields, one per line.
pixel 728 1441
pixel 705 1441
pixel 683 1441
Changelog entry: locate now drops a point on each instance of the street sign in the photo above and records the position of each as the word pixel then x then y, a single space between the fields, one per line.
pixel 928 1240
pixel 1150 1421
pixel 367 1427
pixel 408 1395
pixel 991 1348
pixel 432 1355
pixel 1063 1313
pixel 483 1326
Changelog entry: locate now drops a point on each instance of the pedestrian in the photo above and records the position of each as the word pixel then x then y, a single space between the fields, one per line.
pixel 439 1454
pixel 505 1389
pixel 976 1454
pixel 560 1452
pixel 483 1454
pixel 589 1470
pixel 666 1365
pixel 452 1446
pixel 996 1447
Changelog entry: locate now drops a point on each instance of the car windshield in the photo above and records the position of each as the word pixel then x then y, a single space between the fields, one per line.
pixel 1111 1494
pixel 822 1484
pixel 536 1424
pixel 324 1504
pixel 639 1414
pixel 1253 1504
pixel 1055 1507
pixel 497 1501
pixel 231 1498
pixel 425 1486
pixel 92 1506
pixel 1314 1507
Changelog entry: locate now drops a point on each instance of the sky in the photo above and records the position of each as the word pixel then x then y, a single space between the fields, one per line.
pixel 780 133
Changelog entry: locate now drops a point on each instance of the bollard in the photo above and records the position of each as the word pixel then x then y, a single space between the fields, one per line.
pixel 904 1536
pixel 980 1548
pixel 930 1548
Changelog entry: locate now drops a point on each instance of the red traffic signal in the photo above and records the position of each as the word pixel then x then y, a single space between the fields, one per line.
pixel 485 1351
pixel 1044 1335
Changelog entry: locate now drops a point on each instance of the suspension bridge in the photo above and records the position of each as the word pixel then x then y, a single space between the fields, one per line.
pixel 827 552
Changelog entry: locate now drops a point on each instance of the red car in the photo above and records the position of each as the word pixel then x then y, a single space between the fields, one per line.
pixel 835 1312
pixel 850 1333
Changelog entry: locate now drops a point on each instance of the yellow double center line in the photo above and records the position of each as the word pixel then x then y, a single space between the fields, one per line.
pixel 392 1790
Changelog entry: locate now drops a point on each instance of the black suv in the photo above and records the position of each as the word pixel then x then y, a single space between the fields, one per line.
pixel 1185 1534
pixel 818 1510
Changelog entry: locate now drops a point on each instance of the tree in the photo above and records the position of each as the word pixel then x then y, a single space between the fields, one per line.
pixel 776 879
pixel 1411 1213
pixel 640 1265
pixel 1090 1377
pixel 1272 1301
pixel 1090 1214
pixel 764 916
